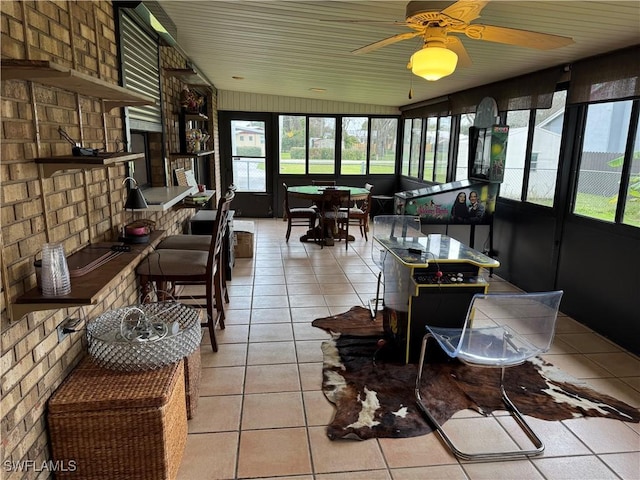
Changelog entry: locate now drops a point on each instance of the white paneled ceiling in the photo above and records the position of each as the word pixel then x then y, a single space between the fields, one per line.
pixel 291 48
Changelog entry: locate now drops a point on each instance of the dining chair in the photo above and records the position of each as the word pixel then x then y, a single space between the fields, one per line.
pixel 387 227
pixel 183 241
pixel 323 183
pixel 359 213
pixel 333 215
pixel 298 217
pixel 500 330
pixel 192 267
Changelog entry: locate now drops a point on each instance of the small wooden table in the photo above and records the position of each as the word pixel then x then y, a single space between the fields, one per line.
pixel 314 193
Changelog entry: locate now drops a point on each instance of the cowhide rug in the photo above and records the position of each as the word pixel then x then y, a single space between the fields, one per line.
pixel 374 394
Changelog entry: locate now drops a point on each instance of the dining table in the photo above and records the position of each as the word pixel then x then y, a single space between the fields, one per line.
pixel 314 193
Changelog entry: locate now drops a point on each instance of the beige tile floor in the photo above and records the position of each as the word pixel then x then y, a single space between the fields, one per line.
pixel 262 414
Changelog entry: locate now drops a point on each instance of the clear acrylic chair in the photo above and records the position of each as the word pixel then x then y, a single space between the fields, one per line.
pixel 385 227
pixel 501 330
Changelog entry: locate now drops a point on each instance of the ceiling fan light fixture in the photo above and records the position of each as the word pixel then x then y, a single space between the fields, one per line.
pixel 433 62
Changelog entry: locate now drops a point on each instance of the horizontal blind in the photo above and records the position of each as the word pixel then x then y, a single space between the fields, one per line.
pixel 141 73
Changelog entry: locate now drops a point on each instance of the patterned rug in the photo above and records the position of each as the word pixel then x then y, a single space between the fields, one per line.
pixel 374 393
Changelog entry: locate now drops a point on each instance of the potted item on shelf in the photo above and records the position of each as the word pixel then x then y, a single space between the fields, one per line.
pixel 196 140
pixel 190 101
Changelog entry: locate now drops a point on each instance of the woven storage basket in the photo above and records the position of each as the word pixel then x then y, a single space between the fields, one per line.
pixel 119 425
pixel 192 382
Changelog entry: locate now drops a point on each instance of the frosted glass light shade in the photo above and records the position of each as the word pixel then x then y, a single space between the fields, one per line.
pixel 433 63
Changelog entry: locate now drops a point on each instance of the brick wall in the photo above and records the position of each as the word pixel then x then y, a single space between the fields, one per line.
pixel 73 207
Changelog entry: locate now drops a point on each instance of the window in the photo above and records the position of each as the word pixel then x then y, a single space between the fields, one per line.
pixel 248 158
pixel 601 160
pixel 293 147
pixel 355 136
pixel 545 152
pixel 382 145
pixel 462 163
pixel 309 145
pixel 631 214
pixel 518 122
pixel 414 159
pixel 322 145
pixel 442 149
pixel 430 146
pixel 433 161
pixel 406 146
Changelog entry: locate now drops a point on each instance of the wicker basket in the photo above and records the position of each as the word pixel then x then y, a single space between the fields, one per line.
pixel 192 374
pixel 145 336
pixel 119 425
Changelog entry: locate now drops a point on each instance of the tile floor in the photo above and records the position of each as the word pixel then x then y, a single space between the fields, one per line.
pixel 262 414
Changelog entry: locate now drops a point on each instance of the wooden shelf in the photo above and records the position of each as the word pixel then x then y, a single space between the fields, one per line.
pixel 54 75
pixel 188 76
pixel 196 117
pixel 86 289
pixel 50 165
pixel 202 153
pixel 163 198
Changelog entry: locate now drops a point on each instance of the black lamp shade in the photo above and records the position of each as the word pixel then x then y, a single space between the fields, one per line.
pixel 135 200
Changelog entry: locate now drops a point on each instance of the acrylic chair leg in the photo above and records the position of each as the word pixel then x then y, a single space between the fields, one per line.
pixel 373 304
pixel 515 413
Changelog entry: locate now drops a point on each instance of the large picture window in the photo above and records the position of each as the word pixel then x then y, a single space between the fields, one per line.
pixel 462 160
pixel 442 149
pixel 518 122
pixel 324 145
pixel 631 214
pixel 545 152
pixel 293 144
pixel 602 159
pixel 382 145
pixel 430 146
pixel 355 135
pixel 414 158
pixel 406 146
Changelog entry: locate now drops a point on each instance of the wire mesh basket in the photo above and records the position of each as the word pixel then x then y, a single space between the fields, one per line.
pixel 145 336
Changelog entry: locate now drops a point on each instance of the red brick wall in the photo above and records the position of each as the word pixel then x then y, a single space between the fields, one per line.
pixel 74 207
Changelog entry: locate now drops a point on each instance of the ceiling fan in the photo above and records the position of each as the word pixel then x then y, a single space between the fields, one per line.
pixel 442 52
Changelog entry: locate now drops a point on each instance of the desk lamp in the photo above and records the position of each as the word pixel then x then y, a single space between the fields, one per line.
pixel 136 231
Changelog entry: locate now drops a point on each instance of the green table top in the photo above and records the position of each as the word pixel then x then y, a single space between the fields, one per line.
pixel 316 190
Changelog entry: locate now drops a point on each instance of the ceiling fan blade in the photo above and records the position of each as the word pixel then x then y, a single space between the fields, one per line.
pixel 513 36
pixel 465 10
pixel 455 45
pixel 385 42
pixel 398 23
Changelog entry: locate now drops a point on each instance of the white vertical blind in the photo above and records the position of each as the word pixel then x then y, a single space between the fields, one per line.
pixel 141 73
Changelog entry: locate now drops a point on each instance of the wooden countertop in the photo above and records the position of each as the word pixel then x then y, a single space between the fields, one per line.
pixel 85 289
